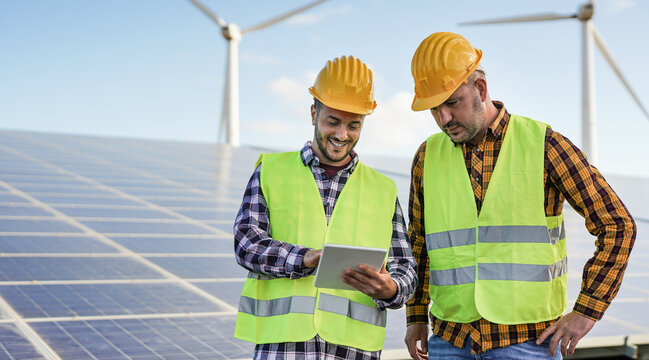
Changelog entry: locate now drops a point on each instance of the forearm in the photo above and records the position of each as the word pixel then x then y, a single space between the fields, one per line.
pixel 261 254
pixel 254 247
pixel 605 215
pixel 417 307
pixel 400 264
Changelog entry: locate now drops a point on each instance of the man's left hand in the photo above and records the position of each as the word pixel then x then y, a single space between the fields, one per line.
pixel 371 282
pixel 569 329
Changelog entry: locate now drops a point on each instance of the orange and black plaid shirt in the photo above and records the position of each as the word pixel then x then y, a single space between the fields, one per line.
pixel 567 176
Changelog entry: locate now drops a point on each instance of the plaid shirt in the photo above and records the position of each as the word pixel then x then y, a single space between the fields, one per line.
pixel 567 176
pixel 258 252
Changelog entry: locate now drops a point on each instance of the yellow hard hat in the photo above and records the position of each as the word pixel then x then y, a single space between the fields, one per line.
pixel 345 83
pixel 442 62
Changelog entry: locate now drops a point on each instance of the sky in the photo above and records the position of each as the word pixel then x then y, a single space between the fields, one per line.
pixel 155 69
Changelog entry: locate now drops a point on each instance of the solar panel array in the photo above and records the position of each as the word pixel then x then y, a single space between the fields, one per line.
pixel 122 249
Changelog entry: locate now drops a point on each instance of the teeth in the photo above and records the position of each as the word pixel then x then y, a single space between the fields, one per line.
pixel 337 143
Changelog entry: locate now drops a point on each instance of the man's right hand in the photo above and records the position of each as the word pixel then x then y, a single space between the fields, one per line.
pixel 311 258
pixel 417 333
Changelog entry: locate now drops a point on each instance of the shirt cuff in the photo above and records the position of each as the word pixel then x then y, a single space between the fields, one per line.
pixel 394 302
pixel 590 307
pixel 294 263
pixel 416 314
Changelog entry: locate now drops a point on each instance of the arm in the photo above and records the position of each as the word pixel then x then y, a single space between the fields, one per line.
pixel 255 249
pixel 417 307
pixel 391 287
pixel 606 218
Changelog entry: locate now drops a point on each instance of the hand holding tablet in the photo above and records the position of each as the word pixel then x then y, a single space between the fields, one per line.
pixel 336 258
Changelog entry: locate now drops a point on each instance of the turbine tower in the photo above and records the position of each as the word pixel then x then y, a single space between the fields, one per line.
pixel 589 35
pixel 229 127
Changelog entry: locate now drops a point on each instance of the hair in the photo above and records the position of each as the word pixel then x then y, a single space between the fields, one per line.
pixel 478 73
pixel 317 104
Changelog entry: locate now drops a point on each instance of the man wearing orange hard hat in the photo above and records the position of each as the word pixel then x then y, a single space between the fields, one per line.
pixel 486 222
pixel 296 202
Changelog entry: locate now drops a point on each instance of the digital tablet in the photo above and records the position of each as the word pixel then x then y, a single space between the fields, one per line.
pixel 336 258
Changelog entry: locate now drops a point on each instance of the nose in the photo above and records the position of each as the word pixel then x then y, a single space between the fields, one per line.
pixel 341 133
pixel 444 114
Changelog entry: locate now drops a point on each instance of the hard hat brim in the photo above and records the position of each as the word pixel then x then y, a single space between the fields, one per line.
pixel 342 106
pixel 420 104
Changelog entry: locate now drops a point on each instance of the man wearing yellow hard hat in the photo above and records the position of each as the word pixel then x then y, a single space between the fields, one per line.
pixel 486 222
pixel 294 203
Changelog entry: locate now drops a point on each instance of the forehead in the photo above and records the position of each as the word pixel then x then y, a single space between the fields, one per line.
pixel 328 112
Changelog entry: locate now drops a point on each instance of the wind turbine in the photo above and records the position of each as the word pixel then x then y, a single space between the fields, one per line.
pixel 229 128
pixel 589 35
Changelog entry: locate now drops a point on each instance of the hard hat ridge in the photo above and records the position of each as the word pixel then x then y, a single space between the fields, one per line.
pixel 441 63
pixel 346 84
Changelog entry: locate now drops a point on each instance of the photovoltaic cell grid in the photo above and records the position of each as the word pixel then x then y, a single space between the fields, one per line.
pixel 122 249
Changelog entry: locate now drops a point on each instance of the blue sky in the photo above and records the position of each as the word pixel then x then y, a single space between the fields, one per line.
pixel 155 69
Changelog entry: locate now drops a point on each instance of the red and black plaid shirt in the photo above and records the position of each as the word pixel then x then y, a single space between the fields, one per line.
pixel 567 176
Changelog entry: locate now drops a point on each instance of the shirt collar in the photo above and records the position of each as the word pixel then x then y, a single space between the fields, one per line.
pixel 497 128
pixel 309 158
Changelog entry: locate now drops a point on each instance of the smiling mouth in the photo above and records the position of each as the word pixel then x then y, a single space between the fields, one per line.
pixel 337 144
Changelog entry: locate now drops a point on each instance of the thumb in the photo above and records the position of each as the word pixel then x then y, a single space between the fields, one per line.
pixel 547 332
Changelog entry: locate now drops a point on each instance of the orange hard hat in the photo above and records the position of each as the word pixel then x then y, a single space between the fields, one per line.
pixel 345 83
pixel 442 62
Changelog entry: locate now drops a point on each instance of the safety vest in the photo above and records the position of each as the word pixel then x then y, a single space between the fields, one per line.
pixel 509 264
pixel 276 310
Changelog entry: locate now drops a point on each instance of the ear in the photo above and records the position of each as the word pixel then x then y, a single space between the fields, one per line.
pixel 481 87
pixel 313 115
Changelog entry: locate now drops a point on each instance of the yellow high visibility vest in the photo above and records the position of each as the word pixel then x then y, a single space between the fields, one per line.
pixel 276 310
pixel 508 265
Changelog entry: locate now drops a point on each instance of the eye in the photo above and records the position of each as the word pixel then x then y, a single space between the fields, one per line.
pixel 434 110
pixel 354 126
pixel 452 102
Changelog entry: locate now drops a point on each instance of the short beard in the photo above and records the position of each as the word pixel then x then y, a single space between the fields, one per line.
pixel 323 148
pixel 478 112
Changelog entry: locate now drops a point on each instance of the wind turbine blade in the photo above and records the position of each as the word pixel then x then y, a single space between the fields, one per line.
pixel 526 18
pixel 279 18
pixel 607 55
pixel 209 13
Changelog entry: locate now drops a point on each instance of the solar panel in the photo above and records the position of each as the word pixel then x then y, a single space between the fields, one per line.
pixel 122 249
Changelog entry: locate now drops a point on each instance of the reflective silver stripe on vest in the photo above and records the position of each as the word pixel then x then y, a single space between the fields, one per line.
pixel 522 272
pixel 351 309
pixel 521 234
pixel 456 276
pixel 446 239
pixel 252 275
pixel 557 234
pixel 274 307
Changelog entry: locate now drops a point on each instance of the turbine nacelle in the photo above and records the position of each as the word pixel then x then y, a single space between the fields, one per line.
pixel 231 32
pixel 586 12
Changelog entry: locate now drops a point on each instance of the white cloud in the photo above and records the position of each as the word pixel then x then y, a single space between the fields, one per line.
pixel 293 91
pixel 288 89
pixel 271 127
pixel 620 5
pixel 314 17
pixel 394 129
